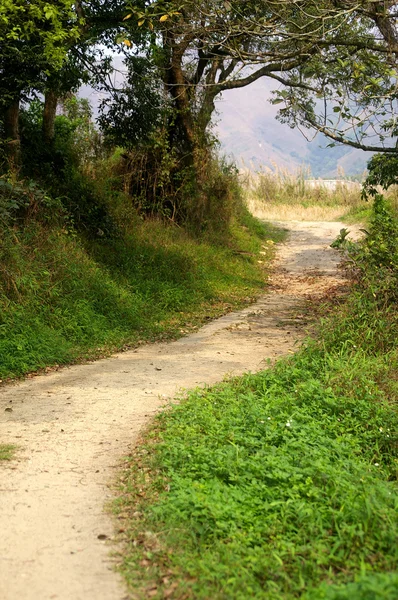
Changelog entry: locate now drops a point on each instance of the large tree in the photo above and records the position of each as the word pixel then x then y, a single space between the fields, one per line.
pixel 315 51
pixel 50 48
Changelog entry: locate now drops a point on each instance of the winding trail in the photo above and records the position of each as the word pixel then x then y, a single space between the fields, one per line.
pixel 73 426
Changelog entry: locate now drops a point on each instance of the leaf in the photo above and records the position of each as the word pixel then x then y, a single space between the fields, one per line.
pixel 127 17
pixel 127 43
pixel 336 109
pixel 163 18
pixel 141 22
pixel 277 101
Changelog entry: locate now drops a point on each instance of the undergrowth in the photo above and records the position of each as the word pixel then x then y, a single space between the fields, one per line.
pixel 86 269
pixel 64 296
pixel 283 484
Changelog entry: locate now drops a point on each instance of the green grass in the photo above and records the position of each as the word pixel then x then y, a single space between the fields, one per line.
pixel 280 485
pixel 63 299
pixel 276 483
pixel 358 214
pixel 6 451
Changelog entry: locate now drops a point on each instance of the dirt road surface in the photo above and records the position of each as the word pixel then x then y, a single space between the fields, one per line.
pixel 73 426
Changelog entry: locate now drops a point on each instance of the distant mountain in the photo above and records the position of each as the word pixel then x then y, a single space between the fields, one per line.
pixel 249 132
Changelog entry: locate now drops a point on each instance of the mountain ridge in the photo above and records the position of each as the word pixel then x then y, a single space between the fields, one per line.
pixel 250 134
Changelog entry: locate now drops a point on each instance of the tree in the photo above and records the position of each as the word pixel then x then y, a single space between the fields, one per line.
pixel 205 47
pixel 34 39
pixel 353 91
pixel 49 48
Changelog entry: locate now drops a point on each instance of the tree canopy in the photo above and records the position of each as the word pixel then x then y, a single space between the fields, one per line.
pixel 333 62
pixel 34 39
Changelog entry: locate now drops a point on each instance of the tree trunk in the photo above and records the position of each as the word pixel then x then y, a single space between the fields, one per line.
pixel 11 130
pixel 182 104
pixel 49 113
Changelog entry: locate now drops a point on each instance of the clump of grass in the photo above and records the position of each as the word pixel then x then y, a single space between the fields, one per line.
pixel 6 451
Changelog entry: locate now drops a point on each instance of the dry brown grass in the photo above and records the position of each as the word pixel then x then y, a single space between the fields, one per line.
pixel 284 196
pixel 295 212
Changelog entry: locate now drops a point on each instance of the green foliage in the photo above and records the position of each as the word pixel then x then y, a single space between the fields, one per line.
pixel 34 39
pixel 381 245
pixel 64 169
pixel 135 110
pixel 383 171
pixel 341 239
pixel 382 586
pixel 24 200
pixel 77 143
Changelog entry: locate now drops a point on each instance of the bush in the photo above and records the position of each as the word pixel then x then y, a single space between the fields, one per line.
pixel 22 201
pixel 65 168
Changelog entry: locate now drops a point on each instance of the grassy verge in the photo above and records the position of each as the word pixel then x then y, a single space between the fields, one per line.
pixel 63 298
pixel 283 484
pixel 6 451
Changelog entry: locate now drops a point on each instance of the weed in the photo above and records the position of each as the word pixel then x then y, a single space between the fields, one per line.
pixel 6 451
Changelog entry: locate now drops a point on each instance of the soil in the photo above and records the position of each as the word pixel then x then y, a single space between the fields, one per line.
pixel 72 427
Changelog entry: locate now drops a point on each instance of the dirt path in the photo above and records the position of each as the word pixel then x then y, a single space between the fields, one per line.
pixel 74 426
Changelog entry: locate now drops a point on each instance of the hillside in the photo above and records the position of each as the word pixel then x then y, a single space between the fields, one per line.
pixel 248 130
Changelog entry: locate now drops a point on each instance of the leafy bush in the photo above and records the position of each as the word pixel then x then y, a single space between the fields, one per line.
pixel 136 109
pixel 64 168
pixel 23 201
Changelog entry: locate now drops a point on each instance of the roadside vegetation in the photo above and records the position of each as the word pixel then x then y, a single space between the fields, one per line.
pixel 282 484
pixel 279 485
pixel 83 271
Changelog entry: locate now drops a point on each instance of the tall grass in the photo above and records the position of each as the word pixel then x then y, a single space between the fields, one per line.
pixel 281 194
pixel 282 186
